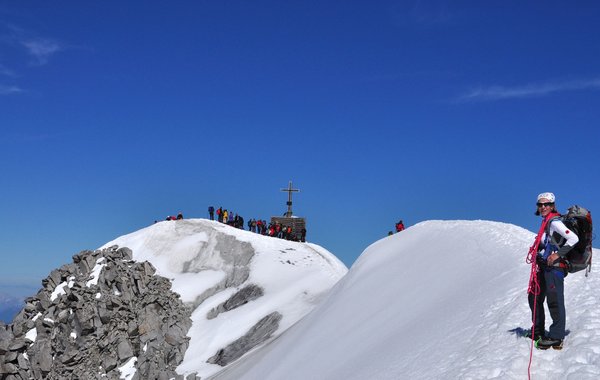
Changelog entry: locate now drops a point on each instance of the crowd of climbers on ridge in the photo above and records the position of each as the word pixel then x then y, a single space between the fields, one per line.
pixel 258 226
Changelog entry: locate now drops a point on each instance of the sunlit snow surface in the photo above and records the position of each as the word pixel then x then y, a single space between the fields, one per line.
pixel 440 300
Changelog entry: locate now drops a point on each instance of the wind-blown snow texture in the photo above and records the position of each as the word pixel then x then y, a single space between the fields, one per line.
pixel 441 300
pixel 209 262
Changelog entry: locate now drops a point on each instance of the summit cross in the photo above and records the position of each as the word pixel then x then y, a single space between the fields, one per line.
pixel 289 190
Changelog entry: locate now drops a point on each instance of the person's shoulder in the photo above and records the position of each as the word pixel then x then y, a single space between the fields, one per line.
pixel 557 222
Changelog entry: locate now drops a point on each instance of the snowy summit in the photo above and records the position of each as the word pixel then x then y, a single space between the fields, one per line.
pixel 237 282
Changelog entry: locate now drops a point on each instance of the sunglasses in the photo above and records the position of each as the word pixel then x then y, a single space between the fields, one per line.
pixel 546 204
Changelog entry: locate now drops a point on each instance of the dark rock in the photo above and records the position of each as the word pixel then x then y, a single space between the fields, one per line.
pixel 259 333
pixel 245 295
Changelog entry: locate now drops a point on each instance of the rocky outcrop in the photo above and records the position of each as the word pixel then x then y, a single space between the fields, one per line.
pixel 98 317
pixel 243 296
pixel 258 334
pixel 230 255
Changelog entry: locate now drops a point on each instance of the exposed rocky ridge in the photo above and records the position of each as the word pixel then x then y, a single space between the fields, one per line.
pixel 92 317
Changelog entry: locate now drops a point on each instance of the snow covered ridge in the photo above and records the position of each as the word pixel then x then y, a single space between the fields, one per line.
pixel 440 300
pixel 244 289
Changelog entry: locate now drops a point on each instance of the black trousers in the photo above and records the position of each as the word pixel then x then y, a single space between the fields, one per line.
pixel 552 290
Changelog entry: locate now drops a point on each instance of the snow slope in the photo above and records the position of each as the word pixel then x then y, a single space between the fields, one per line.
pixel 441 300
pixel 208 262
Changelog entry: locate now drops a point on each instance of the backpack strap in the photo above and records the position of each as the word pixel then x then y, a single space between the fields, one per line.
pixel 551 218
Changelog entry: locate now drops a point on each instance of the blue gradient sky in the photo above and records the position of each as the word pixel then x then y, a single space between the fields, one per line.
pixel 116 114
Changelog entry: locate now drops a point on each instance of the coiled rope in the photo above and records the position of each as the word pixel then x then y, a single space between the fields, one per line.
pixel 534 285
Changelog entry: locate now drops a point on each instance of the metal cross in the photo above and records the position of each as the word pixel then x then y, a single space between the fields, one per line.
pixel 289 190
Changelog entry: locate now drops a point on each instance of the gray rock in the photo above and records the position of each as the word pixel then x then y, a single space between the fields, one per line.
pixel 6 337
pixel 70 357
pixel 126 254
pixel 23 362
pixel 17 344
pixel 242 297
pixel 10 368
pixel 11 356
pixel 44 355
pixel 110 363
pixel 124 350
pixel 29 307
pixel 54 279
pixel 95 327
pixel 259 333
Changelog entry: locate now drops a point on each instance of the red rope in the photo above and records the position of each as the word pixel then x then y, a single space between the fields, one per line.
pixel 534 286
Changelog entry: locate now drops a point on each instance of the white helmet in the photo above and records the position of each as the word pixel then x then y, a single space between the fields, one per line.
pixel 549 196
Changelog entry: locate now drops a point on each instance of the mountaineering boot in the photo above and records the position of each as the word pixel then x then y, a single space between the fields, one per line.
pixel 546 343
pixel 536 335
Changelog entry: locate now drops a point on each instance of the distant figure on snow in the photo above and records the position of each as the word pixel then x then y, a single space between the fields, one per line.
pixel 211 212
pixel 179 216
pixel 400 226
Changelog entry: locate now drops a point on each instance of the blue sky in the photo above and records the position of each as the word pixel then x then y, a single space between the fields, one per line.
pixel 116 114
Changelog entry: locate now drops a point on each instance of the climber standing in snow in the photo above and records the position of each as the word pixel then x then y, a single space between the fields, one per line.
pixel 400 226
pixel 555 241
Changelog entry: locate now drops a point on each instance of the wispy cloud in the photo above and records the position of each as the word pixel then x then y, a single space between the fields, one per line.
pixel 41 49
pixel 37 51
pixel 10 90
pixel 528 91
